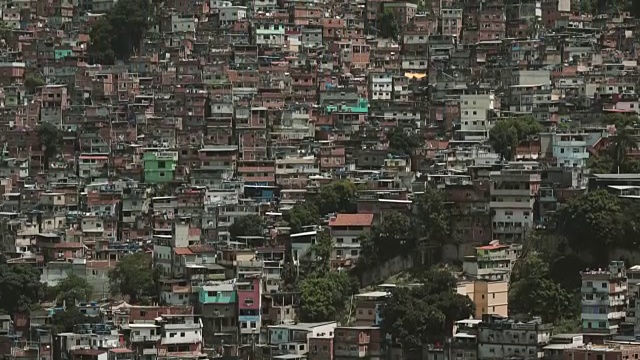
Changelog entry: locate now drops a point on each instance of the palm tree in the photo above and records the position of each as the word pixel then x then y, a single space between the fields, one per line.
pixel 622 142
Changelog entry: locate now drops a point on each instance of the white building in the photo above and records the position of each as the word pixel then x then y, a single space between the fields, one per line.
pixel 345 231
pixel 474 115
pixel 502 338
pixel 570 150
pixel 604 299
pixel 230 14
pixel 294 339
pixel 183 23
pixel 381 86
pixel 513 191
pixel 493 262
pixel 180 331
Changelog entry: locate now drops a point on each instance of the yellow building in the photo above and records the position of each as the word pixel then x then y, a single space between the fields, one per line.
pixel 490 297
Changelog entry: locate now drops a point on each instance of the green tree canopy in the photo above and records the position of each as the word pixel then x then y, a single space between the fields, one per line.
pixel 390 237
pixel 51 140
pixel 388 26
pixel 401 142
pixel 71 289
pixel 507 134
pixel 321 253
pixel 322 297
pixel 337 197
pixel 300 215
pixel 33 82
pixel 63 321
pixel 593 222
pixel 135 277
pixel 534 293
pixel 20 288
pixel 118 35
pixel 431 218
pixel 423 315
pixel 249 225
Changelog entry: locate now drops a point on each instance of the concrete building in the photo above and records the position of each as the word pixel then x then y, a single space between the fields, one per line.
pixel 345 231
pixel 604 299
pixel 565 149
pixel 294 339
pixel 354 342
pixel 492 262
pixel 489 297
pixel 513 191
pixel 502 338
pixel 475 113
pixel 218 303
pixel 603 352
pixel 369 308
pixel 560 343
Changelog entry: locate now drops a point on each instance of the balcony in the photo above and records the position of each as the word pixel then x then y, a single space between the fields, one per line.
pixel 145 338
pixel 150 351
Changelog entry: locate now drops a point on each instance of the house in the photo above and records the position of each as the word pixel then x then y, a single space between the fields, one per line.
pixel 346 230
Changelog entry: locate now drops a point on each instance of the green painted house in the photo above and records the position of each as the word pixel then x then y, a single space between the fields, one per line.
pixel 159 166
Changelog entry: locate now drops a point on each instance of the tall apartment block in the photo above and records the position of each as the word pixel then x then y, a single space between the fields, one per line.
pixel 604 301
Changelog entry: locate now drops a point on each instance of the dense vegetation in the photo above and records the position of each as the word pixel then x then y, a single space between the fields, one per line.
pixel 119 34
pixel 507 134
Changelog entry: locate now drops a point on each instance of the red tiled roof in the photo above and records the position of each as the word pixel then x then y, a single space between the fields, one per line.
pixel 120 351
pixel 352 220
pixel 492 247
pixel 204 248
pixel 183 251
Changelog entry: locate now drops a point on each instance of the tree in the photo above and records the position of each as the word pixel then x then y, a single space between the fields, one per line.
pixel 118 35
pixel 601 164
pixel 249 225
pixel 337 197
pixel 390 237
pixel 321 252
pixel 32 82
pixel 63 321
pixel 532 292
pixel 100 48
pixel 50 140
pixel 431 218
pixel 507 134
pixel 302 215
pixel 322 297
pixel 401 142
pixel 71 289
pixel 423 315
pixel 20 288
pixel 134 276
pixel 622 142
pixel 593 222
pixel 620 121
pixel 388 25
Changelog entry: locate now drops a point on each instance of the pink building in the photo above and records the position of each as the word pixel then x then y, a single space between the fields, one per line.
pixel 249 307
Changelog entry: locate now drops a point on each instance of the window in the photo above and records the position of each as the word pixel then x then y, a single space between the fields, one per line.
pixel 182 334
pixel 354 252
pixel 604 285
